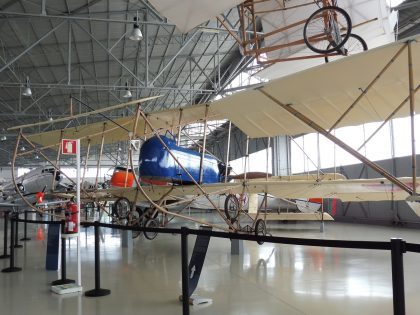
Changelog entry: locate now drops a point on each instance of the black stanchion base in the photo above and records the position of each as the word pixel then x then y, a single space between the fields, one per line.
pixel 97 292
pixel 18 246
pixel 25 239
pixel 4 256
pixel 62 281
pixel 11 269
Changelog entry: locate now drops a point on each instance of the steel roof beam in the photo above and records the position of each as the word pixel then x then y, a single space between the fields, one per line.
pixel 111 54
pixel 123 55
pixel 101 87
pixel 110 92
pixel 25 51
pixel 81 18
pixel 202 71
pixel 407 5
pixel 85 6
pixel 174 57
pixel 168 42
pixel 64 45
pixel 41 97
pixel 214 56
pixel 151 9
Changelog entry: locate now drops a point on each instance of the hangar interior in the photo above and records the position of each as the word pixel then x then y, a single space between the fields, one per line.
pixel 64 58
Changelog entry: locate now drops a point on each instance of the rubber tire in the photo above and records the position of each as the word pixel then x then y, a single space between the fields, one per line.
pixel 135 233
pixel 152 223
pixel 357 37
pixel 228 213
pixel 122 207
pixel 347 34
pixel 260 229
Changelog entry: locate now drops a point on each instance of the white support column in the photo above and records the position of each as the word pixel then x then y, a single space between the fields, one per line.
pixel 79 276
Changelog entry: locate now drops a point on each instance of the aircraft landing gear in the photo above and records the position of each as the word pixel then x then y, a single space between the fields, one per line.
pixel 234 205
pixel 260 229
pixel 151 223
pixel 234 211
pixel 122 208
pixel 136 219
pixel 231 207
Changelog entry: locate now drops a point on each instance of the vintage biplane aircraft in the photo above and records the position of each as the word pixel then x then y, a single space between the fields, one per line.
pixel 376 85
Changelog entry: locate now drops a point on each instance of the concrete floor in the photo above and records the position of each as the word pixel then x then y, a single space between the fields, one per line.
pixel 267 279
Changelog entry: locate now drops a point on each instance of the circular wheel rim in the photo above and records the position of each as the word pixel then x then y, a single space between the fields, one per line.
pixel 122 207
pixel 151 223
pixel 354 44
pixel 317 22
pixel 232 207
pixel 260 229
pixel 135 222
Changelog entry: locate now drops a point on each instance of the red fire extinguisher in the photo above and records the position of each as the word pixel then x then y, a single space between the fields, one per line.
pixel 40 197
pixel 71 218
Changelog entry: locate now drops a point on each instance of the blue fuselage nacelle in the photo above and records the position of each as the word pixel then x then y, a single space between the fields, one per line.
pixel 157 164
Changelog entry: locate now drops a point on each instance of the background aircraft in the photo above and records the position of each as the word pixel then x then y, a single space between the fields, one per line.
pixel 40 179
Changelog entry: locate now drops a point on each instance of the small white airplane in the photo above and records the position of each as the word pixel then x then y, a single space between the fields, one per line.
pixel 2 182
pixel 40 179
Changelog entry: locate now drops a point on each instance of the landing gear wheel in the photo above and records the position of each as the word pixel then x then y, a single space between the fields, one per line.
pixel 231 207
pixel 353 45
pixel 122 208
pixel 324 28
pixel 135 221
pixel 151 223
pixel 260 229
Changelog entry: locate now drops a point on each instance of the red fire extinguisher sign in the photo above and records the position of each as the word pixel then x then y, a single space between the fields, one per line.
pixel 68 146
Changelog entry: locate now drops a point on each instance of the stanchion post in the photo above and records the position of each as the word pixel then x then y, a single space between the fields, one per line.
pixel 397 251
pixel 17 245
pixel 97 291
pixel 63 279
pixel 184 260
pixel 12 267
pixel 25 228
pixel 6 219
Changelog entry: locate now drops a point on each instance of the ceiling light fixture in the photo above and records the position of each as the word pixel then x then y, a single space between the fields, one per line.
pixel 27 90
pixel 3 138
pixel 136 34
pixel 50 116
pixel 127 93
